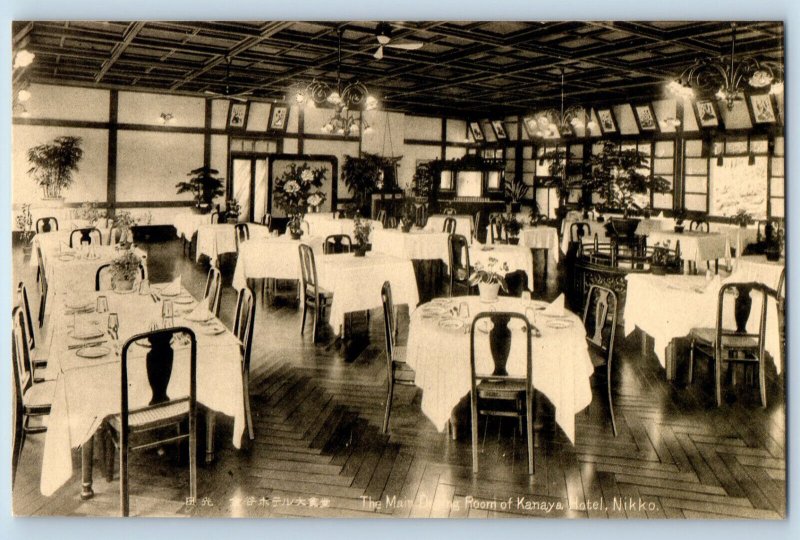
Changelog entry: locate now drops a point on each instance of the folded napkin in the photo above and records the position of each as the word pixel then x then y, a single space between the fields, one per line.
pixel 200 312
pixel 660 215
pixel 556 307
pixel 173 289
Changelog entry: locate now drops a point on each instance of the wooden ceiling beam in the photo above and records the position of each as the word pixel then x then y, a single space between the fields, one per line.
pixel 130 34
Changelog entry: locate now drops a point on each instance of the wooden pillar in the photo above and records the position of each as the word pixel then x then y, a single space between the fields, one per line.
pixel 111 178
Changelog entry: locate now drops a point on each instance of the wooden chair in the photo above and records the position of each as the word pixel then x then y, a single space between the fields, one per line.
pixel 578 230
pixel 114 236
pixel 242 232
pixel 38 355
pixel 85 235
pixel 780 300
pixel 458 252
pixel 266 220
pixel 314 296
pixel 243 325
pixel 449 211
pixel 476 225
pixel 397 371
pixel 391 223
pixel 449 225
pixel 36 397
pixel 212 292
pixel 738 346
pixel 497 231
pixel 42 287
pixel 600 313
pixel 421 215
pixel 214 217
pixel 46 224
pixel 700 225
pixel 382 217
pixel 337 243
pixel 156 424
pixel 307 226
pixel 17 415
pixel 488 389
pixel 102 281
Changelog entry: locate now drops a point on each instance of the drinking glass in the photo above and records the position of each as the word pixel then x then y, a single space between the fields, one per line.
pixel 463 310
pixel 144 287
pixel 526 296
pixel 113 325
pixel 102 304
pixel 167 314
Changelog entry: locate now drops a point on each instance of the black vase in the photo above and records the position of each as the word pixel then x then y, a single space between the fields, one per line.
pixel 500 344
pixel 741 310
pixel 159 368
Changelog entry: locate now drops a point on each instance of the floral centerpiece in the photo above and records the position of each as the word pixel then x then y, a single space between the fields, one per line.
pixel 24 221
pixel 123 221
pixel 408 215
pixel 513 227
pixel 361 230
pixel 294 190
pixel 124 271
pixel 90 212
pixel 232 210
pixel 742 218
pixel 490 279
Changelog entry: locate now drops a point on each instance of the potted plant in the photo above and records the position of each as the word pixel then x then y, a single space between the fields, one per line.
pixel 565 174
pixel 489 280
pixel 680 215
pixel 124 271
pixel 90 213
pixel 124 222
pixel 515 191
pixel 424 180
pixel 232 211
pixel 52 164
pixel 661 258
pixel 361 230
pixel 513 227
pixel 742 217
pixel 364 176
pixel 535 217
pixel 775 244
pixel 408 216
pixel 204 186
pixel 24 222
pixel 293 190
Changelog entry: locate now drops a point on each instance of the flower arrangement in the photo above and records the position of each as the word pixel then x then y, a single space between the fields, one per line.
pixel 742 217
pixel 490 275
pixel 361 230
pixel 24 221
pixel 90 212
pixel 408 216
pixel 125 268
pixel 294 190
pixel 123 221
pixel 232 209
pixel 512 224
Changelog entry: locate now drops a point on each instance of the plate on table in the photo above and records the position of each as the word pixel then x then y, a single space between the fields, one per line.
pixel 214 329
pixel 451 323
pixel 435 309
pixel 440 301
pixel 170 294
pixel 559 323
pixel 201 318
pixel 88 333
pixel 78 304
pixel 97 351
pixel 66 257
pixel 183 300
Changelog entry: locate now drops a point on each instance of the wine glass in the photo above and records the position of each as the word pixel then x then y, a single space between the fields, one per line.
pixel 102 304
pixel 113 325
pixel 463 313
pixel 167 314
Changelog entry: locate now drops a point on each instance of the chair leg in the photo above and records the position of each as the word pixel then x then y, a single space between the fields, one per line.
pixel 42 305
pixel 19 443
pixel 474 434
pixel 317 313
pixel 691 362
pixel 389 397
pixel 193 459
pixel 610 399
pixel 762 383
pixel 718 380
pixel 529 425
pixel 303 322
pixel 123 482
pixel 247 410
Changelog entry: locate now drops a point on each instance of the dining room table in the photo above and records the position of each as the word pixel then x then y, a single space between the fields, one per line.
pixel 416 244
pixel 738 237
pixel 187 223
pixel 324 224
pixel 215 239
pixel 356 282
pixel 464 224
pixel 272 257
pixel 539 237
pixel 85 360
pixel 697 247
pixel 52 241
pixel 438 350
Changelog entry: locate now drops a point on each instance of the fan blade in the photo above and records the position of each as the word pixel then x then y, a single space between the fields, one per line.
pixel 379 53
pixel 409 46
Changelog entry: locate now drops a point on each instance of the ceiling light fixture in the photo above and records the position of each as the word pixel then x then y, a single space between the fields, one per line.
pixel 727 78
pixel 23 58
pixel 557 123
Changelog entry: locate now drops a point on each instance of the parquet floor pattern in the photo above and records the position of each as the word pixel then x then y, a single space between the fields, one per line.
pixel 319 450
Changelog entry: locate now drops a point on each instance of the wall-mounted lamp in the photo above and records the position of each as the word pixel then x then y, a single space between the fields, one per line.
pixel 166 118
pixel 23 95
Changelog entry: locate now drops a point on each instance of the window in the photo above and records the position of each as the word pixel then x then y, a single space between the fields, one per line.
pixel 777 203
pixel 469 183
pixel 695 197
pixel 446 181
pixel 735 184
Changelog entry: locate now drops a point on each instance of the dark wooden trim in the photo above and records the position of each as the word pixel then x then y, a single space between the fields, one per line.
pixel 207 135
pixel 301 130
pixel 111 178
pixel 443 138
pixel 153 204
pixel 84 124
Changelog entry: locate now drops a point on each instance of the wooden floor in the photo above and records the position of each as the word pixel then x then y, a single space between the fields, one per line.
pixel 319 450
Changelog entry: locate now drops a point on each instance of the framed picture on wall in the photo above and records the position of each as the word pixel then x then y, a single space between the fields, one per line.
pixel 706 112
pixel 608 124
pixel 499 128
pixel 645 117
pixel 477 131
pixel 762 109
pixel 531 126
pixel 237 115
pixel 279 117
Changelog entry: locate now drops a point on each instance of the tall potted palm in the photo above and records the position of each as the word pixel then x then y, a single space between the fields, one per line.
pixel 53 165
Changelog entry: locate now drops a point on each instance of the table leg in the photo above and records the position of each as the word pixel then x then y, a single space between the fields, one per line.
pixel 546 264
pixel 211 422
pixel 87 456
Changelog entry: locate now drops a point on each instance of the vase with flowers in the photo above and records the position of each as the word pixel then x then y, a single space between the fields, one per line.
pixel 24 221
pixel 513 227
pixel 294 191
pixel 742 218
pixel 124 271
pixel 124 222
pixel 489 279
pixel 361 230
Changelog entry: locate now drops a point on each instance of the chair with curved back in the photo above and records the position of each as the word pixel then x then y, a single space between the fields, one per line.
pixel 476 226
pixel 266 220
pixel 780 300
pixel 458 255
pixel 36 397
pixel 489 388
pixel 160 422
pixel 114 236
pixel 243 327
pixel 46 224
pixel 600 321
pixel 85 236
pixel 449 211
pixel 337 243
pixel 420 215
pixel 242 233
pixel 391 223
pixel 449 225
pixel 43 289
pixel 214 218
pixel 498 233
pixel 102 278
pixel 314 296
pixel 699 225
pixel 397 371
pixel 723 345
pixel 579 230
pixel 212 292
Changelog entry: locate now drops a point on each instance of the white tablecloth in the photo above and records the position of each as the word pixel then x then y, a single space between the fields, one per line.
pixel 516 257
pixel 738 237
pixel 758 268
pixel 356 282
pixel 647 226
pixel 542 237
pixel 324 225
pixel 440 359
pixel 697 247
pixel 272 257
pixel 668 307
pixel 186 224
pixel 87 391
pixel 214 240
pixel 464 225
pixel 415 244
pixel 50 242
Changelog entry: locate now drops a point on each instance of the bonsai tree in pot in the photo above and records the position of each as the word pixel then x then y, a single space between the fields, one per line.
pixel 24 221
pixel 204 185
pixel 53 164
pixel 515 191
pixel 124 271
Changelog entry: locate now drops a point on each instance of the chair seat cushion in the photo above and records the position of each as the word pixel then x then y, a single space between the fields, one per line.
pixel 708 336
pixel 39 395
pixel 155 415
pixel 510 389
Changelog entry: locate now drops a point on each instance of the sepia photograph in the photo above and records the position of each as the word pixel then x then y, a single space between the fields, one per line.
pixel 357 303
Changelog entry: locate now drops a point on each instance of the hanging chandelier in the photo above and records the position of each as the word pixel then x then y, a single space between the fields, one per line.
pixel 556 123
pixel 352 97
pixel 727 78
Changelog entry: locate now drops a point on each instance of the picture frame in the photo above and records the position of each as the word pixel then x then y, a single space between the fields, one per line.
pixel 279 118
pixel 531 126
pixel 762 109
pixel 500 131
pixel 707 113
pixel 607 121
pixel 237 114
pixel 645 117
pixel 477 131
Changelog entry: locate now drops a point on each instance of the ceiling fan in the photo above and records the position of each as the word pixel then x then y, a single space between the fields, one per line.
pixel 383 33
pixel 227 94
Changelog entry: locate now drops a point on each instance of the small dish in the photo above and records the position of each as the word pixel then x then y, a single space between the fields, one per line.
pixel 451 324
pixel 91 333
pixel 97 351
pixel 434 309
pixel 213 329
pixel 559 323
pixel 183 300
